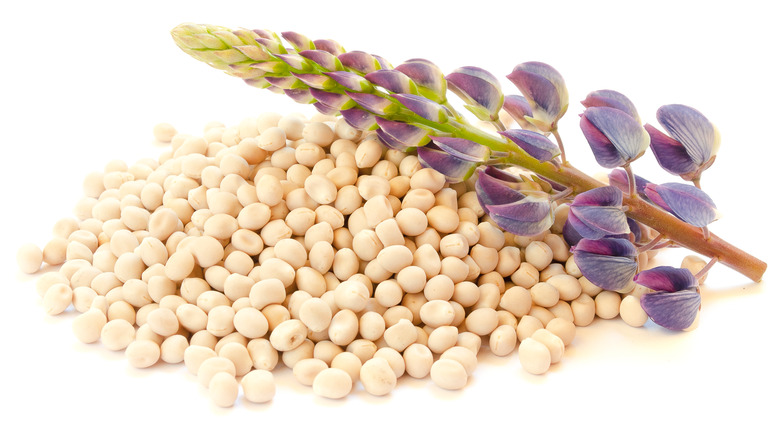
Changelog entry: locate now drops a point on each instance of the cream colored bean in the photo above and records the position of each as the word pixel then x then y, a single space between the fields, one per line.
pixel 562 328
pixel 631 311
pixel 258 386
pixel 377 377
pixel 88 325
pixel 172 349
pixel 449 374
pixel 544 294
pixel 142 353
pixel 237 353
pixel 163 322
pixel 179 265
pixel 694 264
pixel 352 295
pixel 117 334
pixel 482 321
pixel 503 340
pixel 305 370
pixel 437 313
pixel 345 263
pixel 395 257
pixel 527 326
pixel 442 338
pixel 607 304
pixel 377 209
pixel 534 356
pixel 584 310
pixel 538 254
pixel 418 360
pixel 443 219
pixel 211 366
pixel 454 268
pixel 57 298
pixel 333 383
pixel 465 356
pixel 273 138
pixel 400 335
pixel 428 179
pixel 223 389
pixel 288 335
pixel 344 327
pixel 552 342
pixel 412 221
pixel 388 293
pixel 220 320
pixel 320 189
pixel 485 257
pixel 526 275
pixel 349 363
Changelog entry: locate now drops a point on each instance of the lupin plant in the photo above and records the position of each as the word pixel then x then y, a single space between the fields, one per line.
pixel 520 175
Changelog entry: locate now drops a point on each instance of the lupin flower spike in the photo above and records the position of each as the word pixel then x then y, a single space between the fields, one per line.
pixel 421 120
pixel 615 137
pixel 545 90
pixel 675 300
pixel 692 143
pixel 479 89
pixel 598 213
pixel 688 203
pixel 608 263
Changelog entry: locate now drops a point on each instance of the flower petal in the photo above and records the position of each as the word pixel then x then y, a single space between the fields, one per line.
pixel 315 80
pixel 428 77
pixel 423 107
pixel 300 42
pixel 672 310
pixel 670 153
pixel 404 133
pixel 608 263
pixel 527 217
pixel 619 178
pixel 612 99
pixel 359 119
pixel 625 134
pixel 376 104
pixel 324 59
pixel 694 131
pixel 296 62
pixel 334 100
pixel 685 201
pixel 545 90
pixel 535 144
pixel 477 87
pixel 391 142
pixel 351 81
pixel 666 279
pixel 330 46
pixel 454 169
pixel 360 62
pixel 518 107
pixel 593 222
pixel 461 148
pixel 393 81
pixel 600 196
pixel 300 95
pixel 494 191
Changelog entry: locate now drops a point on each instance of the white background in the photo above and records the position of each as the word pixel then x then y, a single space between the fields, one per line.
pixel 84 82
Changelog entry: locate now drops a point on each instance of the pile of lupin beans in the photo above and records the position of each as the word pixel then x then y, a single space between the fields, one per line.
pixel 306 242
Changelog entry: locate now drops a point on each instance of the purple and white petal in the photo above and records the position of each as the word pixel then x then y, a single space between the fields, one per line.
pixel 286 82
pixel 359 119
pixel 373 103
pixel 423 107
pixel 392 143
pixel 300 42
pixel 300 95
pixel 624 133
pixel 619 178
pixel 315 80
pixel 478 87
pixel 600 196
pixel 518 107
pixel 330 46
pixel 672 310
pixel 404 133
pixel 324 59
pixel 453 168
pixel 608 263
pixel 528 209
pixel 612 99
pixel 535 144
pixel 462 148
pixel 272 45
pixel 545 90
pixel 603 150
pixel 337 101
pixel 694 131
pixel 494 191
pixel 666 279
pixel 360 62
pixel 685 201
pixel 428 77
pixel 325 109
pixel 351 81
pixel 670 153
pixel 393 81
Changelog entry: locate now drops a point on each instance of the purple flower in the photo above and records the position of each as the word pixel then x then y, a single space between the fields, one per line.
pixel 428 77
pixel 608 263
pixel 360 62
pixel 524 215
pixel 598 213
pixel 351 81
pixel 614 136
pixel 453 168
pixel 692 143
pixel 403 133
pixel 336 101
pixel 359 119
pixel 393 81
pixel 373 103
pixel 423 107
pixel 479 89
pixel 316 80
pixel 300 95
pixel 324 59
pixel 535 144
pixel 685 201
pixel 519 108
pixel 675 299
pixel 463 149
pixel 612 99
pixel 300 42
pixel 545 90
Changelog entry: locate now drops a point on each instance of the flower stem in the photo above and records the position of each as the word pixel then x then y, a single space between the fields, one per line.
pixel 651 244
pixel 631 180
pixel 560 144
pixel 706 268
